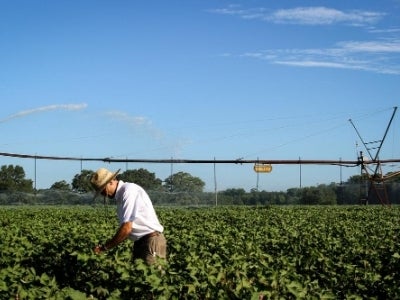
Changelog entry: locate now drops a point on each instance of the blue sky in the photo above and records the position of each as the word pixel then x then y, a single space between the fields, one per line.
pixel 198 80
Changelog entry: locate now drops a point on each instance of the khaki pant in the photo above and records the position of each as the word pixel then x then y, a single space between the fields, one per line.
pixel 150 248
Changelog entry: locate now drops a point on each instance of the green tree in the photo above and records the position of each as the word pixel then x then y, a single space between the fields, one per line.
pixel 321 195
pixel 13 179
pixel 81 182
pixel 357 179
pixel 353 190
pixel 279 198
pixel 234 196
pixel 142 177
pixel 184 182
pixel 293 195
pixel 61 185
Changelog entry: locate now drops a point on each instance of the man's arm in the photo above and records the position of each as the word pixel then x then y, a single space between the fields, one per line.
pixel 122 234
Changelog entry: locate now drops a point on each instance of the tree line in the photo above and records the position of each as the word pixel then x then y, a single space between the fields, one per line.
pixel 182 188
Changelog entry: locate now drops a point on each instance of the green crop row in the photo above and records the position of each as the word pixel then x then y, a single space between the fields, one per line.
pixel 214 253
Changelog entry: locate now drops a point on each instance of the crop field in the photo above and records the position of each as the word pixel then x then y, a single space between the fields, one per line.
pixel 266 252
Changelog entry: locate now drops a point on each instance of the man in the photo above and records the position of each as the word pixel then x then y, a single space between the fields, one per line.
pixel 137 218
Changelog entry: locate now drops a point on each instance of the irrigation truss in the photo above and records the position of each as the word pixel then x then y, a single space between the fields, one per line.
pixel 376 183
pixel 348 163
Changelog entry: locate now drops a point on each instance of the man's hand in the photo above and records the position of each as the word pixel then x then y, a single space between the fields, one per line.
pixel 122 234
pixel 98 249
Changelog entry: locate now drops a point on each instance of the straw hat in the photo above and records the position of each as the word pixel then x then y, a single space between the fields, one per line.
pixel 100 179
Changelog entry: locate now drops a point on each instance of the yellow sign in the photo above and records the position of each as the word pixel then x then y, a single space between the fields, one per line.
pixel 262 168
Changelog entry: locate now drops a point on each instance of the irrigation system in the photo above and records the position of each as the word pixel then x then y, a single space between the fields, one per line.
pixel 205 161
pixel 371 168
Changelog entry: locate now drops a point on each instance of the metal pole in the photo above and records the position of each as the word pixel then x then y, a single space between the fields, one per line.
pixel 341 184
pixel 258 179
pixel 362 141
pixel 386 131
pixel 172 178
pixel 300 170
pixel 35 176
pixel 215 184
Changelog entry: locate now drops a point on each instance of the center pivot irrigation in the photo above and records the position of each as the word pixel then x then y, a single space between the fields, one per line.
pixel 348 163
pixel 375 176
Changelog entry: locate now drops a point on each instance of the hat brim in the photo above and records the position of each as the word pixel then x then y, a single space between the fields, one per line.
pixel 100 189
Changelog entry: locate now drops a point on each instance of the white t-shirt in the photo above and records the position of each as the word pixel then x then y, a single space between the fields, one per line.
pixel 134 205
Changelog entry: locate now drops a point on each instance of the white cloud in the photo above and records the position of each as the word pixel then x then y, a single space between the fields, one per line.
pixel 305 15
pixel 324 16
pixel 387 30
pixel 70 107
pixel 374 56
pixel 139 124
pixel 388 46
pixel 308 63
pixel 143 125
pixel 380 56
pixel 128 119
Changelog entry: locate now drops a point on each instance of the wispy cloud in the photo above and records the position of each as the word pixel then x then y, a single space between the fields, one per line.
pixel 24 113
pixel 380 56
pixel 315 15
pixel 130 120
pixel 387 30
pixel 143 125
pixel 137 123
pixel 386 46
pixel 324 16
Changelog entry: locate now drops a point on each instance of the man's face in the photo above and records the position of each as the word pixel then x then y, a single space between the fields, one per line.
pixel 104 192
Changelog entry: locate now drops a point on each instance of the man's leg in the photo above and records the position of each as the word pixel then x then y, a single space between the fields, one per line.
pixel 149 249
pixel 157 248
